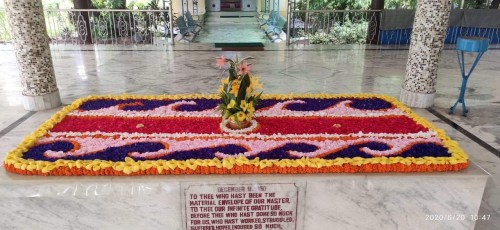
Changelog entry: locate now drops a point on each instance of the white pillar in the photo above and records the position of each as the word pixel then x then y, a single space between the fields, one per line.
pixel 31 44
pixel 427 41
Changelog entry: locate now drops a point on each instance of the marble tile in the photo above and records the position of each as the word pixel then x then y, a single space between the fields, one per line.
pixel 490 204
pixel 114 207
pixel 397 203
pixel 10 87
pixel 7 117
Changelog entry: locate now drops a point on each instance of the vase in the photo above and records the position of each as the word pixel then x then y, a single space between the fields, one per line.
pixel 240 125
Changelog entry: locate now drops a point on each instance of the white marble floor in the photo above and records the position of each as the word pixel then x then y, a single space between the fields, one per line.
pixel 80 73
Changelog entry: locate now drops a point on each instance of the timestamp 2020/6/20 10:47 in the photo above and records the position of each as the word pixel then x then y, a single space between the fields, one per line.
pixel 473 217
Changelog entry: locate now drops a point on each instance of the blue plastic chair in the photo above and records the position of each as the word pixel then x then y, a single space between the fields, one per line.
pixel 468 44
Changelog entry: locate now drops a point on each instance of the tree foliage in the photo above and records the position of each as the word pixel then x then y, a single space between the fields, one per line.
pixel 334 4
pixel 400 4
pixel 346 33
pixel 109 4
pixel 388 4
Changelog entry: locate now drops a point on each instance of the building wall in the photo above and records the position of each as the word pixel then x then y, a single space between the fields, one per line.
pixel 177 6
pixel 282 3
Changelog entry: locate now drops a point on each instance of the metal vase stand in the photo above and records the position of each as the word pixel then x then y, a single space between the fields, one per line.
pixel 468 44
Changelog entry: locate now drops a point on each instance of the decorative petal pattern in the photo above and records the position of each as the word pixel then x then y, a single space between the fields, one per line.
pixel 136 135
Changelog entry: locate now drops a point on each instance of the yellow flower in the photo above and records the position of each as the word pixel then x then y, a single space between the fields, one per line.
pixel 255 83
pixel 249 116
pixel 231 118
pixel 223 82
pixel 251 108
pixel 231 104
pixel 249 90
pixel 240 116
pixel 244 105
pixel 235 87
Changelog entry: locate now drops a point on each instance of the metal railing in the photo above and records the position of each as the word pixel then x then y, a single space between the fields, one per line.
pixel 103 27
pixel 153 27
pixel 331 26
pixel 338 27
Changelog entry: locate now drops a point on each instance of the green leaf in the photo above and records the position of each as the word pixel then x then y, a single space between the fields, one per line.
pixel 245 82
pixel 224 97
pixel 257 98
pixel 232 97
pixel 222 107
pixel 232 74
pixel 247 58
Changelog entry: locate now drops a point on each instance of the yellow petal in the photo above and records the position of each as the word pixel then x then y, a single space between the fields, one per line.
pixel 171 165
pixel 128 159
pixel 119 167
pixel 127 170
pixel 181 164
pixel 191 165
pixel 31 167
pixel 227 164
pixel 105 164
pixel 136 168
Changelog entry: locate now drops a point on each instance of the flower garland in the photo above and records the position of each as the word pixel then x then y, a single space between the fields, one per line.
pixel 52 150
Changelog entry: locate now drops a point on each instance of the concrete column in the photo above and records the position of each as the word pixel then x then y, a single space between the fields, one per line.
pixel 31 43
pixel 427 40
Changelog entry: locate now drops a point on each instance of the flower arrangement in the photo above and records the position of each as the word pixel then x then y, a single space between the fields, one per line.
pixel 238 92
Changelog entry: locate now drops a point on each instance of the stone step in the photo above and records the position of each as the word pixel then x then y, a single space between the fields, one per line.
pixel 232 27
pixel 213 25
pixel 232 20
pixel 231 13
pixel 227 32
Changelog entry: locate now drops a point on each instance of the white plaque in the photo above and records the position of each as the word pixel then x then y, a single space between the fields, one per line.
pixel 240 206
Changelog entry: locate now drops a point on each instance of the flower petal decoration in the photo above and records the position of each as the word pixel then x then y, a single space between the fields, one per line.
pixel 128 135
pixel 221 62
pixel 244 68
